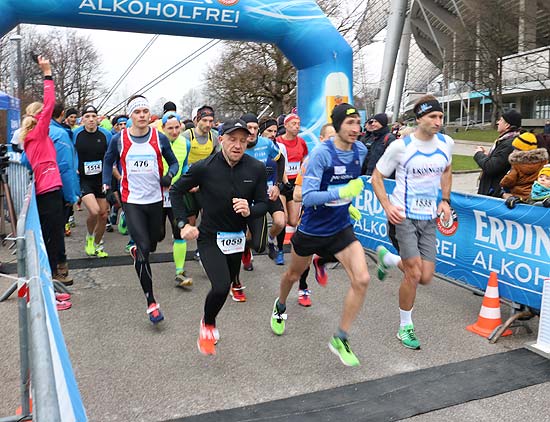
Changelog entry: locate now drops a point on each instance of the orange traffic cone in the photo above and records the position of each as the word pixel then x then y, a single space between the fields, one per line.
pixel 489 315
pixel 19 410
pixel 288 234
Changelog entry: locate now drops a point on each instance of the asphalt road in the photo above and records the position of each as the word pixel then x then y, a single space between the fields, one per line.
pixel 128 370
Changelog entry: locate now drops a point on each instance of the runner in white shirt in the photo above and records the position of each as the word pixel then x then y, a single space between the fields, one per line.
pixel 422 164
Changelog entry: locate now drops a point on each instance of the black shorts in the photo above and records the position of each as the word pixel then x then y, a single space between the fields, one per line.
pixel 274 206
pixel 93 186
pixel 306 245
pixel 288 193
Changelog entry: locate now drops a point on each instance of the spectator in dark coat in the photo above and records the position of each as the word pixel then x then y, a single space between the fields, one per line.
pixel 377 139
pixel 494 163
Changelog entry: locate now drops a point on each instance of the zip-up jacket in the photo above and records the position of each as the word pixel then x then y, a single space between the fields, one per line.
pixel 219 183
pixel 66 160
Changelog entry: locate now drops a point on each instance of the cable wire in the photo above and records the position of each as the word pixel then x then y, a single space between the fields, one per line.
pixel 188 59
pixel 127 71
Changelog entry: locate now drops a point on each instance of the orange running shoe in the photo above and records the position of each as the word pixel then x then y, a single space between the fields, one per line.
pixel 207 339
pixel 237 292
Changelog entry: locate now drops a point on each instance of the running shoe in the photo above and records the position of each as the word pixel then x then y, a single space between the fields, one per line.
pixel 280 258
pixel 133 251
pixel 63 305
pixel 129 245
pixel 247 260
pixel 100 252
pixel 71 221
pixel 382 270
pixel 271 250
pixel 304 297
pixel 207 339
pixel 67 229
pixel 62 297
pixel 408 337
pixel 109 228
pixel 122 227
pixel 155 315
pixel 182 280
pixel 90 247
pixel 277 320
pixel 237 292
pixel 320 272
pixel 341 349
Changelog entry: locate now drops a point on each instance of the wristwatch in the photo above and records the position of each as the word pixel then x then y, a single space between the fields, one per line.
pixel 447 200
pixel 180 224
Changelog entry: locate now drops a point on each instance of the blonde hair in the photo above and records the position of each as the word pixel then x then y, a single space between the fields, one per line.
pixel 29 122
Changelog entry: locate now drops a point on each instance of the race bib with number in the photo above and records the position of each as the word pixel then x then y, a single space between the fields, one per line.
pixel 422 206
pixel 141 164
pixel 92 168
pixel 166 198
pixel 292 168
pixel 231 242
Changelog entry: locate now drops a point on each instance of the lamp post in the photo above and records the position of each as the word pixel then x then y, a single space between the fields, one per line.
pixel 15 65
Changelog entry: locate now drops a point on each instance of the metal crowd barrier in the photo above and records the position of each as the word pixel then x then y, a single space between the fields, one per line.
pixel 34 344
pixel 19 178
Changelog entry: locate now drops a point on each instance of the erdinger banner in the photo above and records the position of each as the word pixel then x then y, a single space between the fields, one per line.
pixel 483 236
pixel 298 27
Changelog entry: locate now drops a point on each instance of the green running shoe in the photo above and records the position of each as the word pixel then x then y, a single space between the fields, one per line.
pixel 341 349
pixel 100 252
pixel 90 246
pixel 122 227
pixel 277 320
pixel 382 270
pixel 408 337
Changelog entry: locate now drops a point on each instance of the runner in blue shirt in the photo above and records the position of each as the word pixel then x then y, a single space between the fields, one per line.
pixel 331 180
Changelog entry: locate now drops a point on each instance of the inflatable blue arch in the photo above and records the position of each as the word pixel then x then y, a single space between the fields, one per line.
pixel 298 27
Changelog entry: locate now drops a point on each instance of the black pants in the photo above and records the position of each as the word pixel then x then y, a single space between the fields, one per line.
pixel 143 221
pixel 168 213
pixel 222 270
pixel 50 212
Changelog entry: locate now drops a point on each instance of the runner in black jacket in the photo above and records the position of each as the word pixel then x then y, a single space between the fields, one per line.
pixel 233 188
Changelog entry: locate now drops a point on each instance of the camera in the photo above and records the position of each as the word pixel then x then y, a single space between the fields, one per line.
pixel 4 158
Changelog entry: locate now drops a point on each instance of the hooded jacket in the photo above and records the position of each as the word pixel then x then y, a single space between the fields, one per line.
pixel 525 170
pixel 495 165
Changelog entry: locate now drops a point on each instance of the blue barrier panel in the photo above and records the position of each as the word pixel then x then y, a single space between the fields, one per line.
pixel 69 400
pixel 484 236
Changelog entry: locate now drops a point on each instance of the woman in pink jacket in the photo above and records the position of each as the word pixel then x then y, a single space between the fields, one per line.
pixel 41 154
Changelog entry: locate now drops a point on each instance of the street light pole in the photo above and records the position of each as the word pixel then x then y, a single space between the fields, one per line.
pixel 15 65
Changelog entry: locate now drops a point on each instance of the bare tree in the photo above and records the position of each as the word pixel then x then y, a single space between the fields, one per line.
pixel 262 77
pixel 192 98
pixel 75 62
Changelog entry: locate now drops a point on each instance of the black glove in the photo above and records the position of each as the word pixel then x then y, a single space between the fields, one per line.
pixel 166 181
pixel 512 201
pixel 546 203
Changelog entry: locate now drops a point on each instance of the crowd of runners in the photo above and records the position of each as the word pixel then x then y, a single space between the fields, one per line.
pixel 240 187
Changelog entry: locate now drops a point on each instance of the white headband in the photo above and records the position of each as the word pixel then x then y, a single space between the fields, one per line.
pixel 136 103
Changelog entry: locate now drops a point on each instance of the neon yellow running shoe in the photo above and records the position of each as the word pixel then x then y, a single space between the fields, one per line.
pixel 90 247
pixel 341 349
pixel 99 252
pixel 382 270
pixel 277 320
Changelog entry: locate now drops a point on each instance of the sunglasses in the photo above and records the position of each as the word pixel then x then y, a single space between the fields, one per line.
pixel 371 121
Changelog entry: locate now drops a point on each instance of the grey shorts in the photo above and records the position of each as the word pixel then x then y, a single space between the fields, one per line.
pixel 414 238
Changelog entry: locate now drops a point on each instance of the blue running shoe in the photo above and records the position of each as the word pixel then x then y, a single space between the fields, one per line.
pixel 155 315
pixel 280 258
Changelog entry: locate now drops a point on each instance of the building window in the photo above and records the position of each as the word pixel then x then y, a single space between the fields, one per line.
pixel 542 108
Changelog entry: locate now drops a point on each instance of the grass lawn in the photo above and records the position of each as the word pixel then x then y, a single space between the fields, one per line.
pixel 475 135
pixel 464 162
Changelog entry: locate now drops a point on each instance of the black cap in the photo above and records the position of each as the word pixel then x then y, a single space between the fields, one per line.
pixel 168 106
pixel 71 111
pixel 513 118
pixel 249 118
pixel 230 126
pixel 339 114
pixel 89 109
pixel 381 118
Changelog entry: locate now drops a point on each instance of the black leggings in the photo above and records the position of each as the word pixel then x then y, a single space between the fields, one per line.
pixel 50 210
pixel 143 221
pixel 222 270
pixel 168 213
